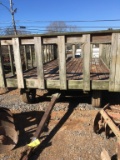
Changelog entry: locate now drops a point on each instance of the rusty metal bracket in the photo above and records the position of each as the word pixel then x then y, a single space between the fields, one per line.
pixel 35 139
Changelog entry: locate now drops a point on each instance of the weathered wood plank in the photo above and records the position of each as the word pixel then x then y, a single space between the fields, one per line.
pixel 18 63
pixel 31 55
pixel 25 57
pixel 27 41
pixel 11 59
pixel 117 73
pixel 114 82
pixel 101 38
pixel 39 60
pixel 2 74
pixel 73 50
pixel 52 40
pixel 86 63
pixel 62 62
pixel 100 85
pixel 74 39
pixel 6 42
pixel 105 52
pixel 75 84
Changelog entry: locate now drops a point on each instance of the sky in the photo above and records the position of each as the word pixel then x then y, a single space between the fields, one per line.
pixel 35 14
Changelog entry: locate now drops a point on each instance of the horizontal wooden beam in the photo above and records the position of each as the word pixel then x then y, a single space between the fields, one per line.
pixel 52 40
pixel 100 84
pixel 6 42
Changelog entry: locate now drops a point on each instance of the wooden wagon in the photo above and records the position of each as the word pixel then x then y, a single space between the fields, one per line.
pixel 42 61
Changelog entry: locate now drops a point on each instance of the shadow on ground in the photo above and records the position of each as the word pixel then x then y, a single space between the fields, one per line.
pixel 26 124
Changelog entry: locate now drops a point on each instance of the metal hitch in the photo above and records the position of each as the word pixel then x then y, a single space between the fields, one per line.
pixel 8 134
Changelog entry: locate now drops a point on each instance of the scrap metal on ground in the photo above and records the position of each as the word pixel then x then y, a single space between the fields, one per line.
pixel 108 120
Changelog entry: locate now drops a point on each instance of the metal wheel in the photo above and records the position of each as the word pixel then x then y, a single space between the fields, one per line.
pixel 28 96
pixel 96 99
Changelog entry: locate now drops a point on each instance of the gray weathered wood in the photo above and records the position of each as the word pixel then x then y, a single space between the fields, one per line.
pixel 18 63
pixel 31 55
pixel 73 50
pixel 86 63
pixel 62 62
pixel 2 74
pixel 114 82
pixel 11 59
pixel 105 51
pixel 39 60
pixel 25 57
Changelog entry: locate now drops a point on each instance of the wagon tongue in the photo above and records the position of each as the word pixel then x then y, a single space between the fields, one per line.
pixel 8 134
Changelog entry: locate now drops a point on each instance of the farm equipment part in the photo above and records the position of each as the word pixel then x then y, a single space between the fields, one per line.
pixel 108 120
pixel 8 134
pixel 35 139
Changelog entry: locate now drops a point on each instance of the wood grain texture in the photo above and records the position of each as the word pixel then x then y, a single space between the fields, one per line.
pixel 18 64
pixel 39 60
pixel 2 74
pixel 62 62
pixel 86 63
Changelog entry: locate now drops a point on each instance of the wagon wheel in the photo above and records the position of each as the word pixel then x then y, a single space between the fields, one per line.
pixel 96 99
pixel 28 96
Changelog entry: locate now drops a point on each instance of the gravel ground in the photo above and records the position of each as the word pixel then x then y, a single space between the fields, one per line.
pixel 69 134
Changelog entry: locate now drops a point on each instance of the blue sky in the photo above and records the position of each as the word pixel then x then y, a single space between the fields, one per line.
pixel 31 12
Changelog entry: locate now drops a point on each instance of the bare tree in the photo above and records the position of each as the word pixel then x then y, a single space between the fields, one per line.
pixel 10 31
pixel 60 26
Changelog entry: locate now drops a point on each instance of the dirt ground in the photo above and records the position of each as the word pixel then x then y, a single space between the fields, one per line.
pixel 68 136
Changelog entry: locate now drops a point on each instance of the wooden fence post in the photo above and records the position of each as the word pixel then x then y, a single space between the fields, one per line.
pixel 86 63
pixel 2 74
pixel 62 62
pixel 114 81
pixel 18 63
pixel 39 60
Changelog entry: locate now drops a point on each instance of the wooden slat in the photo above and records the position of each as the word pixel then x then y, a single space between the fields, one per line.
pixel 86 63
pixel 18 64
pixel 27 41
pixel 2 74
pixel 73 50
pixel 101 38
pixel 25 57
pixel 6 42
pixel 62 62
pixel 11 59
pixel 39 60
pixel 74 39
pixel 100 85
pixel 31 55
pixel 114 82
pixel 117 74
pixel 52 40
pixel 105 51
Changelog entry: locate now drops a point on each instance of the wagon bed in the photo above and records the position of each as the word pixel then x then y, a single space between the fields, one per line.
pixel 74 70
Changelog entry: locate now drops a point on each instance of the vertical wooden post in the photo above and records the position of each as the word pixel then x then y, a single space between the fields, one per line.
pixel 18 63
pixel 73 50
pixel 26 59
pixel 31 55
pixel 39 60
pixel 62 62
pixel 45 53
pixel 86 63
pixel 105 50
pixel 11 59
pixel 2 74
pixel 114 81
